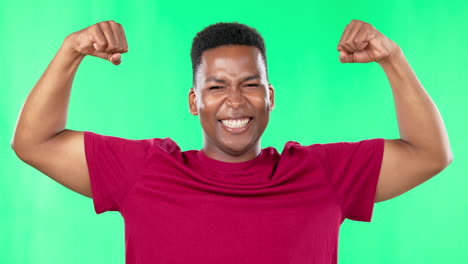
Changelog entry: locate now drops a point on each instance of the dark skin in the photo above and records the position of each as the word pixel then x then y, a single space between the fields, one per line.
pixel 42 141
pixel 231 83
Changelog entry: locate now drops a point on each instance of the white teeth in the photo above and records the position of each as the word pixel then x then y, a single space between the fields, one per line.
pixel 235 123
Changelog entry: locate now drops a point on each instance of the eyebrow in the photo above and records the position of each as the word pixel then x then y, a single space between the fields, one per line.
pixel 249 78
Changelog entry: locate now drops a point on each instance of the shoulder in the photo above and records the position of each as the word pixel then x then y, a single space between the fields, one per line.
pixel 333 149
pixel 130 146
pixel 296 148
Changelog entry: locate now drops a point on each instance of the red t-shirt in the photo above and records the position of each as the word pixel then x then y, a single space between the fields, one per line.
pixel 183 207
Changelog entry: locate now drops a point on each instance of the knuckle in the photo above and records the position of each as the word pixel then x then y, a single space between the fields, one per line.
pixel 103 28
pixel 114 26
pixel 95 30
pixel 109 47
pixel 82 47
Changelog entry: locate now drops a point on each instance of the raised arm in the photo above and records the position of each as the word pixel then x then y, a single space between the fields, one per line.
pixel 423 149
pixel 40 138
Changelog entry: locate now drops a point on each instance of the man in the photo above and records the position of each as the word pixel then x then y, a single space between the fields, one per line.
pixel 231 202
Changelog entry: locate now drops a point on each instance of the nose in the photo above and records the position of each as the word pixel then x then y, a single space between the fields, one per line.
pixel 234 98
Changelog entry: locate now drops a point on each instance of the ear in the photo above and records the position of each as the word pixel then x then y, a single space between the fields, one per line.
pixel 192 102
pixel 272 96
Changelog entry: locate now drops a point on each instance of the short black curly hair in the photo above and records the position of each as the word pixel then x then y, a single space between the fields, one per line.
pixel 223 33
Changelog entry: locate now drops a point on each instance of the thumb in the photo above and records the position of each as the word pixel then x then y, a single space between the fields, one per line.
pixel 115 58
pixel 345 57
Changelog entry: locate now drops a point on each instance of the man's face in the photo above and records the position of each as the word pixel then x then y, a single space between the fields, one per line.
pixel 233 99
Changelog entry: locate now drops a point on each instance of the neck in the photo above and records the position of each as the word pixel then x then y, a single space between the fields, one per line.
pixel 218 154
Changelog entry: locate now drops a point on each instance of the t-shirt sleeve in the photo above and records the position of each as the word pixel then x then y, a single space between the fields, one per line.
pixel 353 169
pixel 113 166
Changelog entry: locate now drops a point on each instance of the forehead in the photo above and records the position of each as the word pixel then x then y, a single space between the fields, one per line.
pixel 231 59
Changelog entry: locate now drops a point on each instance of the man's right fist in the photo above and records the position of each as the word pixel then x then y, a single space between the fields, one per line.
pixel 105 40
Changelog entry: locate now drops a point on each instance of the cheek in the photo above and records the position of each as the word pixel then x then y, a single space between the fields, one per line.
pixel 203 102
pixel 200 104
pixel 267 104
pixel 208 107
pixel 261 103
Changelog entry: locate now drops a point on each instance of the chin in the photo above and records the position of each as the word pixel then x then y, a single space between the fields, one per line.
pixel 236 147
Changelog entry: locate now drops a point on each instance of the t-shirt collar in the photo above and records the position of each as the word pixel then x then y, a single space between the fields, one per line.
pixel 231 166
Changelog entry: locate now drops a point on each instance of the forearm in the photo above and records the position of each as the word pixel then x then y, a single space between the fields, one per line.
pixel 419 121
pixel 44 112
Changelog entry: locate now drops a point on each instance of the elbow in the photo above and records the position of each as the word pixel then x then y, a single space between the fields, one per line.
pixel 447 162
pixel 20 152
pixel 14 147
pixel 444 162
pixel 448 158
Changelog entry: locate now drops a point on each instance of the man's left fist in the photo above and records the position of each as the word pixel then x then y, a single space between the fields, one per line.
pixel 362 43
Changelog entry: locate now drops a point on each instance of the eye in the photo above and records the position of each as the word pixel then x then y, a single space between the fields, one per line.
pixel 252 85
pixel 214 87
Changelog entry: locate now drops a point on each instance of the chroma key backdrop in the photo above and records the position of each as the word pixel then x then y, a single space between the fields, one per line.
pixel 318 100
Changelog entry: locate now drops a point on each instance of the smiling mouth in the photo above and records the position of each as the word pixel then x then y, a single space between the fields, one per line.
pixel 236 122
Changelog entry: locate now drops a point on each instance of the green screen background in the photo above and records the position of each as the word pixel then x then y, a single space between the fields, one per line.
pixel 318 100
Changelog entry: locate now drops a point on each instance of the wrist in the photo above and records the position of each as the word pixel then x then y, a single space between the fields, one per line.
pixel 68 49
pixel 393 58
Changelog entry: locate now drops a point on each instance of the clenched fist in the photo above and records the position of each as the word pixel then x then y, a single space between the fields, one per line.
pixel 361 43
pixel 105 40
